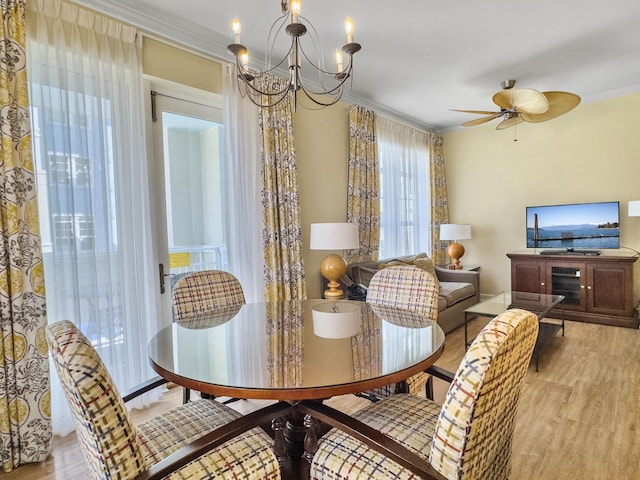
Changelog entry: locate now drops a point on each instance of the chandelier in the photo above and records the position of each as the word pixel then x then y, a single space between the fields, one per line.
pixel 254 84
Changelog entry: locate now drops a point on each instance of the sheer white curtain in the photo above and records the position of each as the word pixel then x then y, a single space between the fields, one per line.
pixel 244 217
pixel 403 156
pixel 243 186
pixel 85 85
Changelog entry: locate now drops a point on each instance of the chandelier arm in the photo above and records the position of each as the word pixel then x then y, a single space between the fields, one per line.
pixel 256 98
pixel 336 74
pixel 311 95
pixel 315 41
pixel 319 68
pixel 253 88
pixel 251 74
pixel 343 77
pixel 257 73
pixel 271 39
pixel 269 104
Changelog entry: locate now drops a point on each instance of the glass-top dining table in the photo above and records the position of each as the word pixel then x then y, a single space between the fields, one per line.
pixel 285 351
pixel 300 353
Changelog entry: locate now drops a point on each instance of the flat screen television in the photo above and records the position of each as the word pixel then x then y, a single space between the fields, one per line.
pixel 579 225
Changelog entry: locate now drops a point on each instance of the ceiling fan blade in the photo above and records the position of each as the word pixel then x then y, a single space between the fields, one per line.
pixel 480 121
pixel 559 104
pixel 479 112
pixel 522 100
pixel 509 122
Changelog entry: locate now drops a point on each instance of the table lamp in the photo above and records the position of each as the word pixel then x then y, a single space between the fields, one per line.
pixel 455 232
pixel 333 236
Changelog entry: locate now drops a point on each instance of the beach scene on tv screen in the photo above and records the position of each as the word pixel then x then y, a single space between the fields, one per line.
pixel 592 225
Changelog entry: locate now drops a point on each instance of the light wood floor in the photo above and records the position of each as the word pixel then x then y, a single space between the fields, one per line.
pixel 578 416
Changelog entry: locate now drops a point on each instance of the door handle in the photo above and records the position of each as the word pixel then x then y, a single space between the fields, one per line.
pixel 162 276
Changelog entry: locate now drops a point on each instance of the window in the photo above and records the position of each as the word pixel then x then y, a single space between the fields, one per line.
pixel 403 157
pixel 61 153
pixel 63 229
pixel 85 91
pixel 60 168
pixel 82 171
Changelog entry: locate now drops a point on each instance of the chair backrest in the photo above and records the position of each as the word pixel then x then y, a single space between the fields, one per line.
pixel 406 287
pixel 472 439
pixel 199 293
pixel 108 439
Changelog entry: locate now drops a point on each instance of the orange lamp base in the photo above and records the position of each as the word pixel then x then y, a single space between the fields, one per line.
pixel 456 251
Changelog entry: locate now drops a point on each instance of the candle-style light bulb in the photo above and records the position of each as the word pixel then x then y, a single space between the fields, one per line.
pixel 296 7
pixel 244 59
pixel 339 61
pixel 237 28
pixel 348 27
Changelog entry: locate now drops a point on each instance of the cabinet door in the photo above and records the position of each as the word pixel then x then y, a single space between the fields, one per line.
pixel 568 279
pixel 610 288
pixel 528 276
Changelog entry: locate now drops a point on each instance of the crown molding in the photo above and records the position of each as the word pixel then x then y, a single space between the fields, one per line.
pixel 184 33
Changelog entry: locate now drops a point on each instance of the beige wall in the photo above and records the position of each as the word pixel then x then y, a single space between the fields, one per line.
pixel 589 154
pixel 322 155
pixel 170 63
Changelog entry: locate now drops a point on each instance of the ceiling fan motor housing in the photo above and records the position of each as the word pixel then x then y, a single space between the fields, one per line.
pixel 507 84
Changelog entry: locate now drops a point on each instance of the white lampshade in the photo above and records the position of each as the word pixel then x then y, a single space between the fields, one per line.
pixel 334 236
pixel 634 208
pixel 452 231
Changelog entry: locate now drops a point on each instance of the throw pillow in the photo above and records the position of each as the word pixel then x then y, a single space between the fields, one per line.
pixel 392 263
pixel 403 261
pixel 426 264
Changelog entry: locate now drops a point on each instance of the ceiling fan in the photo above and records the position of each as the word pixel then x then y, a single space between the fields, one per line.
pixel 519 105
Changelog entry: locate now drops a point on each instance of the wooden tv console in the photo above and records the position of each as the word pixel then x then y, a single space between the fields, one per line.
pixel 598 288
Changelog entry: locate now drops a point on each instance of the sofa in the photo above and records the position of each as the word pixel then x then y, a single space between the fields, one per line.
pixel 459 289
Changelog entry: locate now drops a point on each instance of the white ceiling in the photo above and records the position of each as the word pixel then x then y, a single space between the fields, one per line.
pixel 421 58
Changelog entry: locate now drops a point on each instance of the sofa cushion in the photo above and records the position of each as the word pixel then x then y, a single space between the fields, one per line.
pixel 442 303
pixel 454 292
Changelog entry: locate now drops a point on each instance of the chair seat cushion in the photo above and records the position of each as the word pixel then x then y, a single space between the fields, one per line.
pixel 417 384
pixel 246 456
pixel 408 419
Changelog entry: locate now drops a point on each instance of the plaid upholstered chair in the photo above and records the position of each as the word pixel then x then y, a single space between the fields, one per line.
pixel 467 438
pixel 199 293
pixel 113 447
pixel 196 295
pixel 409 288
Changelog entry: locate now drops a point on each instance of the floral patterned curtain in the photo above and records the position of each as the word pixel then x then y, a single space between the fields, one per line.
pixel 363 191
pixel 25 398
pixel 439 206
pixel 284 266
